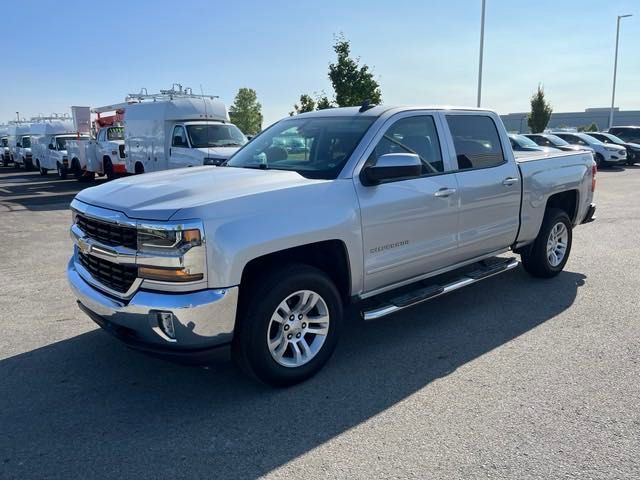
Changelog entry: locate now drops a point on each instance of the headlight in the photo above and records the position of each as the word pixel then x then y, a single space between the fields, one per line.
pixel 612 149
pixel 175 239
pixel 171 255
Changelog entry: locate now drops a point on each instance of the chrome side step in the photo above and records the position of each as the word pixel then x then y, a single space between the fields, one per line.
pixel 427 293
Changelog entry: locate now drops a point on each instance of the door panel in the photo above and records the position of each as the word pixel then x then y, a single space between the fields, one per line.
pixel 489 181
pixel 409 226
pixel 489 210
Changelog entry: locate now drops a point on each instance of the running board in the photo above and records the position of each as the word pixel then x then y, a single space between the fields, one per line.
pixel 423 294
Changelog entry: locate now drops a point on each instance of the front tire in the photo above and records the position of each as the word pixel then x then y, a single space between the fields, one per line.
pixel 108 170
pixel 288 325
pixel 599 160
pixel 549 253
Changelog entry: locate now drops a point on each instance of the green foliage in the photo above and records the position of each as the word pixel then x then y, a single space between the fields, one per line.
pixel 540 112
pixel 306 104
pixel 324 103
pixel 352 83
pixel 589 128
pixel 246 111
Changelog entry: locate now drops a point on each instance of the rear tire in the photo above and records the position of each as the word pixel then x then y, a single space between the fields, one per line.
pixel 75 168
pixel 549 253
pixel 108 169
pixel 43 171
pixel 273 340
pixel 62 172
pixel 599 160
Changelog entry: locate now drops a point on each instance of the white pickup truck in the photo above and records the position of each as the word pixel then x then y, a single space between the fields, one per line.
pixel 103 155
pixel 264 253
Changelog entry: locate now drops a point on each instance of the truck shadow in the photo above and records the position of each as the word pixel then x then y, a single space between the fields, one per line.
pixel 20 190
pixel 87 406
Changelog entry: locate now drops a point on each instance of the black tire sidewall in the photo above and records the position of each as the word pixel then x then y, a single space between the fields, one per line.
pixel 536 261
pixel 251 342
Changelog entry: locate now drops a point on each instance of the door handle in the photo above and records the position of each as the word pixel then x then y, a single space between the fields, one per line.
pixel 507 182
pixel 444 192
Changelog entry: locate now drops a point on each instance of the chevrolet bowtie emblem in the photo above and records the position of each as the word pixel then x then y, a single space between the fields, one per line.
pixel 84 246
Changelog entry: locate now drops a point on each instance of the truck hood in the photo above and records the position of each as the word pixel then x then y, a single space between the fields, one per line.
pixel 159 195
pixel 219 152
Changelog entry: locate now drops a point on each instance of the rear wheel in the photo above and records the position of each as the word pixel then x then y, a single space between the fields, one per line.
pixel 62 172
pixel 599 160
pixel 108 169
pixel 75 168
pixel 549 253
pixel 288 328
pixel 43 171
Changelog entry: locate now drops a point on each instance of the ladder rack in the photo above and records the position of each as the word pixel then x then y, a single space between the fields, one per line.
pixel 176 91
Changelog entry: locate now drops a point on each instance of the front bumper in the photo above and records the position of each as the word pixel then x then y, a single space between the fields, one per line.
pixel 203 320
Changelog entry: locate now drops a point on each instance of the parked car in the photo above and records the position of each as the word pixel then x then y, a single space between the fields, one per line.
pixel 520 143
pixel 605 155
pixel 628 134
pixel 22 155
pixel 52 153
pixel 5 154
pixel 633 149
pixel 15 132
pixel 553 141
pixel 265 252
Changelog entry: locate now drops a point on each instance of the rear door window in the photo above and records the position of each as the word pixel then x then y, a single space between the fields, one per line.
pixel 476 140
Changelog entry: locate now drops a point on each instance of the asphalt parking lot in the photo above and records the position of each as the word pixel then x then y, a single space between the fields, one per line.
pixel 512 378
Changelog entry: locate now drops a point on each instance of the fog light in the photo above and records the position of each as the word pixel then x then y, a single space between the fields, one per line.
pixel 165 321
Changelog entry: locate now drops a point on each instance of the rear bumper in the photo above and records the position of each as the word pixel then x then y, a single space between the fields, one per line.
pixel 591 212
pixel 203 320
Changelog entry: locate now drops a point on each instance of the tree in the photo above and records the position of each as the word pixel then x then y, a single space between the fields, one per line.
pixel 589 128
pixel 352 83
pixel 246 111
pixel 307 104
pixel 540 112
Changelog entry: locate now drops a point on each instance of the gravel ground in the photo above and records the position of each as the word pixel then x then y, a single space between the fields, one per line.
pixel 512 378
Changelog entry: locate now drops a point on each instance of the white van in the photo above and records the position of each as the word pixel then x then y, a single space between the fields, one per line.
pixel 17 153
pixel 4 145
pixel 50 146
pixel 179 131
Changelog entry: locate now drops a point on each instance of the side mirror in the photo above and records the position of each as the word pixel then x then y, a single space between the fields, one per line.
pixel 392 166
pixel 51 147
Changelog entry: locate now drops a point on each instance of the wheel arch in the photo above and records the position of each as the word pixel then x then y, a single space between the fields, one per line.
pixel 329 256
pixel 567 201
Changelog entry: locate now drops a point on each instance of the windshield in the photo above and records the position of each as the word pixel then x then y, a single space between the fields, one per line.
pixel 608 138
pixel 524 141
pixel 115 133
pixel 215 135
pixel 26 142
pixel 61 142
pixel 313 147
pixel 557 140
pixel 589 139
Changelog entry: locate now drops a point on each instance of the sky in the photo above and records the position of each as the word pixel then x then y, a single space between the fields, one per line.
pixel 57 54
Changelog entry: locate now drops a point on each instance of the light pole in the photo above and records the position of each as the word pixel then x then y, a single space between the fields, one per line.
pixel 615 68
pixel 481 51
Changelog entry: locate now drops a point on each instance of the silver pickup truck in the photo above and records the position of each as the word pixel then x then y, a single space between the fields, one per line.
pixel 319 210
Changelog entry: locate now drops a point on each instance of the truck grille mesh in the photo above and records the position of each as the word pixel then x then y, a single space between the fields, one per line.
pixel 111 275
pixel 108 233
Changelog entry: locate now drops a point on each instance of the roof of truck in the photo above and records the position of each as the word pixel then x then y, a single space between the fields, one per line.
pixel 377 110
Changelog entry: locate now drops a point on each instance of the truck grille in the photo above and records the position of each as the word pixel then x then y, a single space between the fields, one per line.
pixel 108 233
pixel 111 275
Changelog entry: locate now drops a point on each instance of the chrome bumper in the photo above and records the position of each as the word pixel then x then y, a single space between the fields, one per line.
pixel 202 319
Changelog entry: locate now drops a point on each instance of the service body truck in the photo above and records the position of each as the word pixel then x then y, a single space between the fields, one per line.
pixel 386 209
pixel 179 131
pixel 50 147
pixel 103 154
pixel 5 156
pixel 42 134
pixel 16 151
